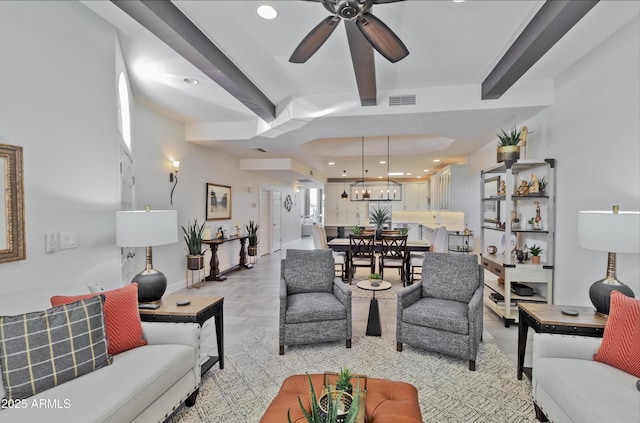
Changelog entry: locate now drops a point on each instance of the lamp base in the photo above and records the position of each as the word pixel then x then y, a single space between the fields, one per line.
pixel 600 293
pixel 151 285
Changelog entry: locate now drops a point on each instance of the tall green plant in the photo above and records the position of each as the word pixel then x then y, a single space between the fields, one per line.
pixel 380 216
pixel 332 407
pixel 252 231
pixel 510 138
pixel 193 238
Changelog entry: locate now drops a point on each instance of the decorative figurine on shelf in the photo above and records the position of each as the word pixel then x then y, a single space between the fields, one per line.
pixel 220 234
pixel 503 188
pixel 537 222
pixel 523 189
pixel 534 187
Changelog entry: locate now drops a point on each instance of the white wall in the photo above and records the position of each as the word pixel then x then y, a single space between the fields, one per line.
pixel 593 132
pixel 58 101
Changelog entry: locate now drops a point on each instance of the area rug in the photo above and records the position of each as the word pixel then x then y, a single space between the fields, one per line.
pixel 448 391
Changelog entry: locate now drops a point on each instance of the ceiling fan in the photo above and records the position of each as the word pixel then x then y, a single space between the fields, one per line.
pixel 379 36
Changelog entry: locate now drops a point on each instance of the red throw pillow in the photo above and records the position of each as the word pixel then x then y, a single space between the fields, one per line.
pixel 621 341
pixel 122 319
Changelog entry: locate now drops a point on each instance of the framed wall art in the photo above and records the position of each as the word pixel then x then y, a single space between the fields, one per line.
pixel 12 234
pixel 218 202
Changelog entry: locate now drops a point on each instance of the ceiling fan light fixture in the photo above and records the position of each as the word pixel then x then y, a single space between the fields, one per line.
pixel 266 11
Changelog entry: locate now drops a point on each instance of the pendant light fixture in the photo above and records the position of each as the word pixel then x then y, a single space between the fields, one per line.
pixel 344 195
pixel 394 189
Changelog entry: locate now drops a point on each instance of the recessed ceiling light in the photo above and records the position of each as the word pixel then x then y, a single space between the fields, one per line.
pixel 267 12
pixel 379 177
pixel 191 81
pixel 418 176
pixel 382 161
pixel 395 173
pixel 332 163
pixel 426 170
pixel 408 173
pixel 458 1
pixel 436 160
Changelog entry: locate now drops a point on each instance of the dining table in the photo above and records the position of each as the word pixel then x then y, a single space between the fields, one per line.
pixel 342 244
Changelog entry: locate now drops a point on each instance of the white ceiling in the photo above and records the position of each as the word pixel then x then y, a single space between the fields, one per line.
pixel 453 46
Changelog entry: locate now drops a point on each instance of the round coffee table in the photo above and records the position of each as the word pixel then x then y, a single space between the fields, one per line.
pixel 373 322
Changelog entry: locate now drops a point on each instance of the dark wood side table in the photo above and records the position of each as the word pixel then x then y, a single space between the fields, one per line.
pixel 373 321
pixel 201 309
pixel 548 318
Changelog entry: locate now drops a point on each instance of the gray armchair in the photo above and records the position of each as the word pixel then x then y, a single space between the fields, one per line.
pixel 443 312
pixel 313 306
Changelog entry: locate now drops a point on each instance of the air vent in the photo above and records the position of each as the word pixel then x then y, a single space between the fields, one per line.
pixel 259 149
pixel 305 181
pixel 402 100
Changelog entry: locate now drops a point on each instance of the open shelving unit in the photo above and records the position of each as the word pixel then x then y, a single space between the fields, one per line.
pixel 497 213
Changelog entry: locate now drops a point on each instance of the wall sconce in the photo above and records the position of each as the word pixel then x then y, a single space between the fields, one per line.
pixel 173 176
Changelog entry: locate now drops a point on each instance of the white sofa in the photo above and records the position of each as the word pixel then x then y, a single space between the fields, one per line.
pixel 569 386
pixel 144 384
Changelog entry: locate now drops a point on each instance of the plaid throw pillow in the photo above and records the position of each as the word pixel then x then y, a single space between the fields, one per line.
pixel 43 349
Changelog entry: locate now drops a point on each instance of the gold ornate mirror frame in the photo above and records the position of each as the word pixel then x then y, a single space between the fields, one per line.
pixel 12 240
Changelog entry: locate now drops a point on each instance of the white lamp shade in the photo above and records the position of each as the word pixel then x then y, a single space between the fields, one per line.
pixel 608 231
pixel 146 228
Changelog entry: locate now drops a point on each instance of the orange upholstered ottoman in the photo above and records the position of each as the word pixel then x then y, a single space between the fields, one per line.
pixel 387 401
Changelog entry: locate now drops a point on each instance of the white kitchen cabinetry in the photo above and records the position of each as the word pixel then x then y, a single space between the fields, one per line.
pixel 498 211
pixel 448 189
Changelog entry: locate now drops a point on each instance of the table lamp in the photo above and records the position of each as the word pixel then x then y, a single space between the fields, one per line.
pixel 142 228
pixel 614 232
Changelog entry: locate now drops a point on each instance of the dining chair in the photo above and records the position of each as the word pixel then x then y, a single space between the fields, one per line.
pixel 361 253
pixel 319 236
pixel 393 254
pixel 438 244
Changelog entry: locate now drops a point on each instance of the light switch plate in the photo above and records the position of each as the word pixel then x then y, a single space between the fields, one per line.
pixel 68 240
pixel 50 242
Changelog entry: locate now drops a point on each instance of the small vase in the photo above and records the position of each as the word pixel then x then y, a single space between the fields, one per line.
pixel 535 259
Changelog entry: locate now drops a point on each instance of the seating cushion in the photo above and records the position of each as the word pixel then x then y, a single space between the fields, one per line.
pixel 620 346
pixel 450 276
pixel 43 349
pixel 447 315
pixel 318 274
pixel 314 307
pixel 123 325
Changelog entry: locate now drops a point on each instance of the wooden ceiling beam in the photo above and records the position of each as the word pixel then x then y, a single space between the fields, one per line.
pixel 554 19
pixel 171 26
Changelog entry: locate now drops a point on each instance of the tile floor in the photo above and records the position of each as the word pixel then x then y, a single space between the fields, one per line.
pixel 251 301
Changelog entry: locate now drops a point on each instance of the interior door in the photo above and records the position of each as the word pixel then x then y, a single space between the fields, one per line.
pixel 265 219
pixel 276 215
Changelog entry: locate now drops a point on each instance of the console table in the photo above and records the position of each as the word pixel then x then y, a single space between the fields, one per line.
pixel 215 274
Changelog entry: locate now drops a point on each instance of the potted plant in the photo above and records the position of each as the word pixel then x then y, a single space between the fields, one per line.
pixel 252 231
pixel 344 381
pixel 508 148
pixel 403 231
pixel 193 238
pixel 356 230
pixel 535 254
pixel 380 217
pixel 515 223
pixel 542 185
pixel 530 224
pixel 334 402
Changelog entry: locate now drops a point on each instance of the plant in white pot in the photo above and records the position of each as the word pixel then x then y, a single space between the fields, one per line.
pixel 193 238
pixel 508 144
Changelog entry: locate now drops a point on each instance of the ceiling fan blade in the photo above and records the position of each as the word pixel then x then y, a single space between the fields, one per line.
pixel 314 40
pixel 364 66
pixel 385 1
pixel 382 38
